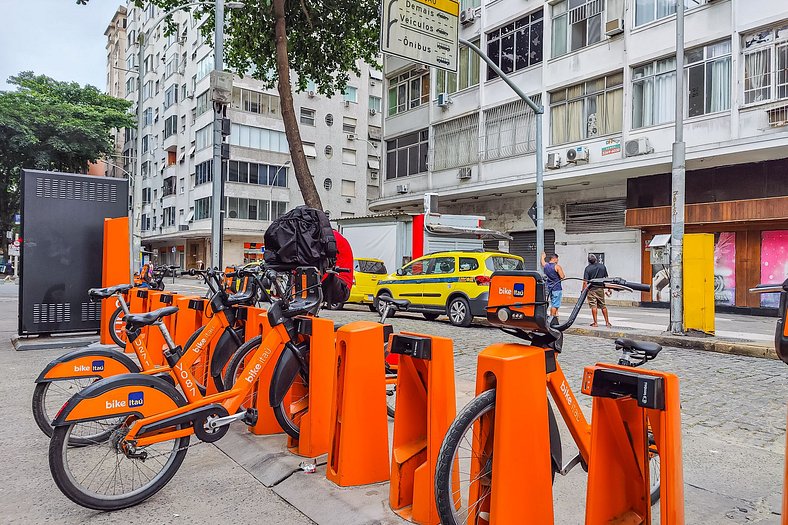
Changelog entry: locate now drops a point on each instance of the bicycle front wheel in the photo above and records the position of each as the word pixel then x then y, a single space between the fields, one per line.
pixel 117 327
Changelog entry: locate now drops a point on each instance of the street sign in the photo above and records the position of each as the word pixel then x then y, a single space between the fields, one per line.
pixel 532 213
pixel 425 31
pixel 13 251
pixel 16 243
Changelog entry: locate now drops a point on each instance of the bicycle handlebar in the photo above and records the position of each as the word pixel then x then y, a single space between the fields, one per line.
pixel 611 283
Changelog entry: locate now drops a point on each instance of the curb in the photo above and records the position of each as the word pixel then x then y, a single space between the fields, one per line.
pixel 742 348
pixel 22 344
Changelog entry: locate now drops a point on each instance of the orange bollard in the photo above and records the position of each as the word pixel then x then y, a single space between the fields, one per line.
pixel 188 319
pixel 114 268
pixel 139 304
pixel 426 407
pixel 155 341
pixel 314 424
pixel 785 483
pixel 359 446
pixel 521 435
pixel 626 403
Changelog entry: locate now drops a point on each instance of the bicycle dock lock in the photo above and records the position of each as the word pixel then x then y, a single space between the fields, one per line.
pixel 425 408
pixel 139 304
pixel 115 268
pixel 311 406
pixel 188 319
pixel 155 341
pixel 627 403
pixel 521 436
pixel 359 445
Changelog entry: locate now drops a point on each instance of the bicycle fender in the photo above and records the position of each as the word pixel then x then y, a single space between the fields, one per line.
pixel 555 440
pixel 122 395
pixel 286 370
pixel 88 362
pixel 222 352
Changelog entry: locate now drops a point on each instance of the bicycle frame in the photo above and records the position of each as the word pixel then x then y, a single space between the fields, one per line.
pixel 565 400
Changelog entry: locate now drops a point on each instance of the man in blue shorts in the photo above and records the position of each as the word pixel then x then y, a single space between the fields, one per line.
pixel 553 275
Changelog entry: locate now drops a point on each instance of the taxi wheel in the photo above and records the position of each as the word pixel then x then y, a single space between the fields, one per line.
pixel 372 308
pixel 459 312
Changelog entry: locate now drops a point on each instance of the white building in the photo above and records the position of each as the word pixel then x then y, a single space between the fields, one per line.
pixel 116 79
pixel 605 72
pixel 340 135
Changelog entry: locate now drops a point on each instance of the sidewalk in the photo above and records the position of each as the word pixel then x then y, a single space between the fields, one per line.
pixel 734 334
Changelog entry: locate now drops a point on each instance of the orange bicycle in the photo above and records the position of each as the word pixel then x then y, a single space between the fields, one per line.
pixel 465 499
pixel 149 421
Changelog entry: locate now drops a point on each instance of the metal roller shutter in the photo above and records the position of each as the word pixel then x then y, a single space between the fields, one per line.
pixel 524 245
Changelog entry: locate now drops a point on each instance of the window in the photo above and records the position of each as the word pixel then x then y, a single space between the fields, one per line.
pixel 147 141
pixel 327 184
pixel 373 267
pixel 309 149
pixel 414 268
pixel 203 137
pixel 510 130
pixel 595 216
pixel 131 85
pixel 131 62
pixel 145 195
pixel 350 94
pixel 255 102
pixel 170 96
pixel 517 45
pixel 278 209
pixel 456 142
pixel 203 172
pixel 708 78
pixel 375 103
pixel 169 216
pixel 145 222
pixel 349 156
pixel 576 24
pixel 468 264
pixel 653 93
pixel 147 65
pixel 440 265
pixel 587 110
pixel 408 91
pixel 407 154
pixel 307 117
pixel 170 126
pixel 329 151
pixel 172 67
pixel 253 173
pixel 147 117
pixel 202 208
pixel 258 138
pixel 146 169
pixel 649 10
pixel 468 4
pixel 348 188
pixel 204 66
pixel 348 125
pixel 147 90
pixel 766 65
pixel 329 120
pixel 203 104
pixel 467 76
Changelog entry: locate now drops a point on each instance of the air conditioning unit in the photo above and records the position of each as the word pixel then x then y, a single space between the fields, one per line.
pixel 373 175
pixel 464 173
pixel 402 188
pixel 577 155
pixel 421 69
pixel 614 27
pixel 347 103
pixel 190 94
pixel 351 136
pixel 635 147
pixel 183 228
pixel 373 112
pixel 467 16
pixel 310 94
pixel 348 200
pixel 553 161
pixel 443 100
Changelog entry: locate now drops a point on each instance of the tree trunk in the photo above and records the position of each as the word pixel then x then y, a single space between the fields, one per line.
pixel 305 182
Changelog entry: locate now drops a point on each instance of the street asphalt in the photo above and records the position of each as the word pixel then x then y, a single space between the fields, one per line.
pixel 733 422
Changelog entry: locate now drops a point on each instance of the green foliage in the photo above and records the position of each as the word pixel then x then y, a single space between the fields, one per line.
pixel 51 125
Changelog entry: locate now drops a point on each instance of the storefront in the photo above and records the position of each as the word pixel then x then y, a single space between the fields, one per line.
pixel 253 252
pixel 745 207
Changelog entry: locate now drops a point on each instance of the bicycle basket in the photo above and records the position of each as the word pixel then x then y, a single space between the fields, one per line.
pixel 518 300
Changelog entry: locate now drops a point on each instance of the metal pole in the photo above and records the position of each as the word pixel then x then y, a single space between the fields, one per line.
pixel 539 110
pixel 135 221
pixel 677 186
pixel 217 206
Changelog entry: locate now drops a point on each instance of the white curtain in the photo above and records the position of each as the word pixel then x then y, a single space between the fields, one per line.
pixel 558 124
pixel 718 73
pixel 576 124
pixel 613 112
pixel 643 101
pixel 756 76
pixel 665 98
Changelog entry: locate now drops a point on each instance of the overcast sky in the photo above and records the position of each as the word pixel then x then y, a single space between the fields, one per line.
pixel 57 38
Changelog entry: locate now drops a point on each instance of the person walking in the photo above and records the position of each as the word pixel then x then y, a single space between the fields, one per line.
pixel 596 295
pixel 553 274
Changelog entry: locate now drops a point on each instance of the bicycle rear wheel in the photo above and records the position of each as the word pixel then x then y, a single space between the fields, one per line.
pixel 117 327
pixel 50 396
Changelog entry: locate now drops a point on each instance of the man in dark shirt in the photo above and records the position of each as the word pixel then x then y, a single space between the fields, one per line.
pixel 596 295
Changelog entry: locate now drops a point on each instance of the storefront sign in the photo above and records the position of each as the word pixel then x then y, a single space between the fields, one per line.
pixel 611 147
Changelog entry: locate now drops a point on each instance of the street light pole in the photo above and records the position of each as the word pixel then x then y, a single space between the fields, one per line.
pixel 218 109
pixel 271 200
pixel 678 173
pixel 539 111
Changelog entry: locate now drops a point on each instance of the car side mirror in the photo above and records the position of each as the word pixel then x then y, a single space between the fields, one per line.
pixel 400 271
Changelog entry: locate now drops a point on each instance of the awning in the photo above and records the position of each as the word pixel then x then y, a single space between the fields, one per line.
pixel 191 152
pixel 466 232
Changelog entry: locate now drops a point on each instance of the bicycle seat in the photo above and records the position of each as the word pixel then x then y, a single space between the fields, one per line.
pixel 103 293
pixel 150 317
pixel 650 349
pixel 399 303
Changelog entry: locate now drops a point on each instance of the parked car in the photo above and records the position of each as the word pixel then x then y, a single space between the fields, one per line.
pixel 452 283
pixel 366 274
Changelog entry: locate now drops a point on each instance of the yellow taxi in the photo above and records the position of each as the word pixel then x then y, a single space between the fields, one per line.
pixel 456 284
pixel 366 274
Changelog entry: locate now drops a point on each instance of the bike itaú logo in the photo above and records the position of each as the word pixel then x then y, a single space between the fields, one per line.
pixel 135 399
pixel 570 400
pixel 252 374
pixel 504 291
pixel 95 366
pixel 206 337
pixel 519 290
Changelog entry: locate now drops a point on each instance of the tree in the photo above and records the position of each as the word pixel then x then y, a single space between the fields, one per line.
pixel 318 40
pixel 51 125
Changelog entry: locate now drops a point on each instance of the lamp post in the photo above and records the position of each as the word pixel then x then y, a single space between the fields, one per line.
pixel 678 172
pixel 271 200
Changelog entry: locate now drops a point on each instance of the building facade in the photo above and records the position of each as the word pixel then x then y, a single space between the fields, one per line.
pixel 605 72
pixel 341 138
pixel 116 84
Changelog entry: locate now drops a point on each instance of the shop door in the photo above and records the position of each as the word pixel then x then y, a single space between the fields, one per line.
pixel 524 245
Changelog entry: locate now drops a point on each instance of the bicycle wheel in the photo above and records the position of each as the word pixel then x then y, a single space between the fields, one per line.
pixel 391 390
pixel 653 469
pixel 236 366
pixel 49 397
pixel 289 412
pixel 117 327
pixel 102 476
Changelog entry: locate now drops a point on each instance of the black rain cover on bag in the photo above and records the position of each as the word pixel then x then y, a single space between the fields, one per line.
pixel 300 237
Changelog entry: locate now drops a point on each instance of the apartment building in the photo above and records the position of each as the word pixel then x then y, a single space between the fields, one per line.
pixel 605 72
pixel 116 79
pixel 341 138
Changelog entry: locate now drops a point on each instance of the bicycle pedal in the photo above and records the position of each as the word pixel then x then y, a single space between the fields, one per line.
pixel 250 418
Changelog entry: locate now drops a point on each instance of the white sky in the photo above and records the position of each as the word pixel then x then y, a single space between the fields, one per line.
pixel 57 38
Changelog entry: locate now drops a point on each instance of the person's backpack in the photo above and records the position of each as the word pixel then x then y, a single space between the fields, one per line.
pixel 301 237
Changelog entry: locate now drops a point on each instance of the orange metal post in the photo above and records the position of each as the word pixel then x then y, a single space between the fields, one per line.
pixel 114 269
pixel 155 341
pixel 139 304
pixel 785 483
pixel 618 482
pixel 314 424
pixel 521 434
pixel 188 319
pixel 426 407
pixel 359 446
